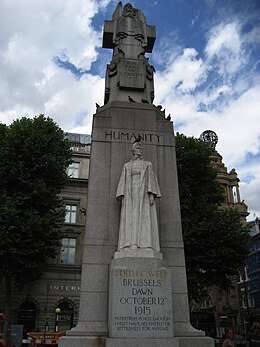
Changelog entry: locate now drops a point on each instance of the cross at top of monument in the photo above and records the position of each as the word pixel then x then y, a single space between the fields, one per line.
pixel 129 76
pixel 128 24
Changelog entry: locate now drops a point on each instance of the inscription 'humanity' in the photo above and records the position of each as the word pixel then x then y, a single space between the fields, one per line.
pixel 130 136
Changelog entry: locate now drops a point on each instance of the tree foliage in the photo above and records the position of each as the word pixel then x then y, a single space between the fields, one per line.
pixel 34 156
pixel 216 244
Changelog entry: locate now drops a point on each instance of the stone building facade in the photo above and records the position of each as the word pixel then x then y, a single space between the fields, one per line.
pixel 250 280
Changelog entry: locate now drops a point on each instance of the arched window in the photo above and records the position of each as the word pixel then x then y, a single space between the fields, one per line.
pixel 27 315
pixel 64 316
pixel 235 197
pixel 206 302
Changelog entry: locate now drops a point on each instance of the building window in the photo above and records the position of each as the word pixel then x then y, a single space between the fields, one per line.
pixel 68 251
pixel 232 291
pixel 71 214
pixel 243 276
pixel 222 294
pixel 73 170
pixel 249 302
pixel 235 197
pixel 206 302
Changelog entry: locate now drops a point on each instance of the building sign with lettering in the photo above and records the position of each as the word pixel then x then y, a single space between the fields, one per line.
pixel 64 288
pixel 141 303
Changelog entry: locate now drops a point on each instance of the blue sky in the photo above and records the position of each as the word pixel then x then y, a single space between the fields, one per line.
pixel 206 55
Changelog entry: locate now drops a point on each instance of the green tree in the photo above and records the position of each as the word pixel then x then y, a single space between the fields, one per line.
pixel 34 156
pixel 215 242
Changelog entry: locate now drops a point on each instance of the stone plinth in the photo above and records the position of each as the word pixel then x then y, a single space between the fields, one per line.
pixel 174 342
pixel 137 253
pixel 142 342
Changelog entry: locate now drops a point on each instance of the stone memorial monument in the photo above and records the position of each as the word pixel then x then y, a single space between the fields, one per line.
pixel 133 290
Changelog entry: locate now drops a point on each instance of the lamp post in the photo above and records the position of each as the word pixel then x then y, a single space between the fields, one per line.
pixel 57 311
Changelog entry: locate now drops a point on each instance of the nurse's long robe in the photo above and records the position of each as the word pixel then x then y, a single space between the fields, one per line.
pixel 147 224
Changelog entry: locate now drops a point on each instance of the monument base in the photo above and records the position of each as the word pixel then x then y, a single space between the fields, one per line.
pixel 174 342
pixel 89 341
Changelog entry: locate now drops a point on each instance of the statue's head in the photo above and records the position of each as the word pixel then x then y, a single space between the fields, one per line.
pixel 128 10
pixel 137 149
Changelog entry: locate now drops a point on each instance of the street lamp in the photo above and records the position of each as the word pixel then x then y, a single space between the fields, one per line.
pixel 57 311
pixel 47 323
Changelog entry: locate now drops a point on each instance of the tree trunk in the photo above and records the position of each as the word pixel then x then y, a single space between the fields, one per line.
pixel 7 324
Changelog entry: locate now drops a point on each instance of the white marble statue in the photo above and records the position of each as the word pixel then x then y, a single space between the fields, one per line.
pixel 137 189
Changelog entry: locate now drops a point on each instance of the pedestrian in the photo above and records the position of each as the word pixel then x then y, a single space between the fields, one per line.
pixel 253 339
pixel 239 340
pixel 230 339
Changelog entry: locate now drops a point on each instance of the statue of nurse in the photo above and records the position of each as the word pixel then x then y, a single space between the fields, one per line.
pixel 138 189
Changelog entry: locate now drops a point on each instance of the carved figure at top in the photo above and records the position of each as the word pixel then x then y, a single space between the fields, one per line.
pixel 130 37
pixel 130 30
pixel 129 11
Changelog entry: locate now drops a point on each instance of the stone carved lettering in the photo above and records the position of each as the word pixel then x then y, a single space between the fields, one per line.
pixel 143 306
pixel 131 74
pixel 64 288
pixel 130 136
pixel 131 70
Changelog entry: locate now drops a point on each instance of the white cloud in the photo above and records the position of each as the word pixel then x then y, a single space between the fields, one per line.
pixel 223 36
pixel 219 92
pixel 182 75
pixel 250 190
pixel 225 49
pixel 32 34
pixel 82 100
